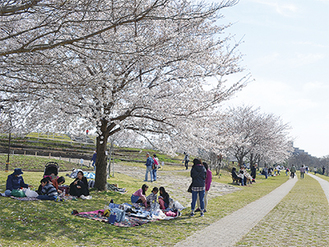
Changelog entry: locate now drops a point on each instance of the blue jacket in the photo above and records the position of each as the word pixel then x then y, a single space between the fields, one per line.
pixel 149 161
pixel 14 183
pixel 94 157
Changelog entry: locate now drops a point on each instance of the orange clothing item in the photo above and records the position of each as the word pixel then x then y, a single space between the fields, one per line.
pixel 55 183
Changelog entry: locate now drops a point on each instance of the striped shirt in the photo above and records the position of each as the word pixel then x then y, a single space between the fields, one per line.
pixel 49 190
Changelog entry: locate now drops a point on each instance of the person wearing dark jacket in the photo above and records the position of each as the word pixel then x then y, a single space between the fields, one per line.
pixel 15 181
pixel 253 172
pixel 79 186
pixel 198 174
pixel 235 176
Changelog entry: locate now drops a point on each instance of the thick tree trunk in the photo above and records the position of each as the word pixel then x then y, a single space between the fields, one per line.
pixel 251 160
pixel 240 160
pixel 101 162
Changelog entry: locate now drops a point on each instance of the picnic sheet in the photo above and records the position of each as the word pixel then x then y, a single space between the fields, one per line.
pixel 130 220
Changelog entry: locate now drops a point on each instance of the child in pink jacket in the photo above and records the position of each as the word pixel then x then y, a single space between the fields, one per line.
pixel 139 195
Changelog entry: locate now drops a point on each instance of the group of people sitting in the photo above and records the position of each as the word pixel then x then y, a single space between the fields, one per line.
pixel 140 197
pixel 49 188
pixel 243 177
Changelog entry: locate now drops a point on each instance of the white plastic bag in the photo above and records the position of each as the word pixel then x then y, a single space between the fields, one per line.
pixel 158 214
pixel 30 193
pixel 178 206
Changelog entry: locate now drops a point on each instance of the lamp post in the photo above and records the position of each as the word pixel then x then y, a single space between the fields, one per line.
pixel 7 163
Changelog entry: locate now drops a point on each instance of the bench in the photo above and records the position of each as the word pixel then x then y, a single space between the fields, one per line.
pixel 236 180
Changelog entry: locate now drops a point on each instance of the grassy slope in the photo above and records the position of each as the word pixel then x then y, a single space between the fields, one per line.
pixel 51 224
pixel 34 163
pixel 300 219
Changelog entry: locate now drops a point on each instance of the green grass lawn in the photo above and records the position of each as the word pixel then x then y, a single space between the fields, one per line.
pixel 34 163
pixel 51 224
pixel 300 219
pixel 58 136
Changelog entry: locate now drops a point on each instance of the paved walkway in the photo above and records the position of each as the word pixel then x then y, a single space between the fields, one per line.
pixel 226 231
pixel 324 184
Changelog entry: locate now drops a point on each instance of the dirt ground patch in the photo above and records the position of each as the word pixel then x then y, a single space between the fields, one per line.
pixel 175 184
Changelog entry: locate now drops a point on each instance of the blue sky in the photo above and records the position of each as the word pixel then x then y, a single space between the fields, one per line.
pixel 286 50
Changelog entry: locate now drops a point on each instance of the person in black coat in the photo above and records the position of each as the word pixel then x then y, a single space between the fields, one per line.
pixel 253 172
pixel 198 174
pixel 235 176
pixel 79 186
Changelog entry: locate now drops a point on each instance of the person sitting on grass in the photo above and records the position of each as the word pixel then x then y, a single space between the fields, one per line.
pixel 49 192
pixel 15 182
pixel 39 191
pixel 152 198
pixel 79 187
pixel 139 195
pixel 163 198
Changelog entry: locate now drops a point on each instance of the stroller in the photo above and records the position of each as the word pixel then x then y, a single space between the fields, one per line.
pixel 51 167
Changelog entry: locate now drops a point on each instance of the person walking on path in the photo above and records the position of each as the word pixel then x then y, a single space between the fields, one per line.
pixel 155 166
pixel 302 171
pixel 93 159
pixel 293 171
pixel 15 182
pixel 148 164
pixel 198 174
pixel 323 170
pixel 287 171
pixel 207 184
pixel 186 160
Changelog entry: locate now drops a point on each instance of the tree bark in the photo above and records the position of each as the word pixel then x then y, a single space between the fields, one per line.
pixel 101 162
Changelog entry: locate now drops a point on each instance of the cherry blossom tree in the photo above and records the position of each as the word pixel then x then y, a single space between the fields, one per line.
pixel 122 66
pixel 257 136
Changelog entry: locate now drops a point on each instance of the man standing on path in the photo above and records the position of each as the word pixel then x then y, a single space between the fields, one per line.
pixel 186 160
pixel 323 170
pixel 293 171
pixel 302 171
pixel 149 163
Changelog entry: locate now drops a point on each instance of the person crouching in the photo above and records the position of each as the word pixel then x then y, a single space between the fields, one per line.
pixel 49 192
